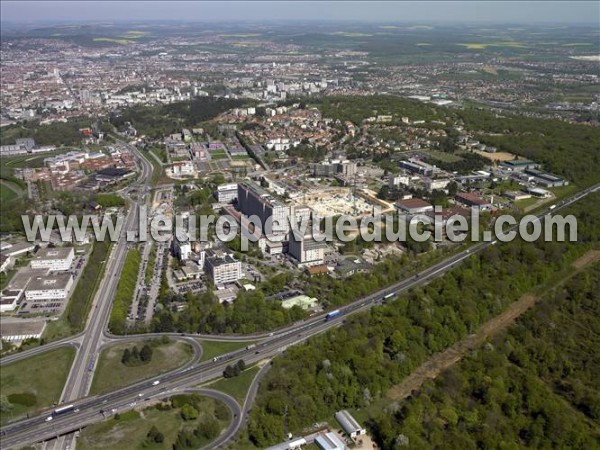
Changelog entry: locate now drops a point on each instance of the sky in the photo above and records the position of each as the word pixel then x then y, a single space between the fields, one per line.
pixel 376 11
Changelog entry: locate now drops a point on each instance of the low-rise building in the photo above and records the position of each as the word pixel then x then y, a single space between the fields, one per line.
pixel 349 424
pixel 473 200
pixel 55 258
pixel 227 193
pixel 413 206
pixel 330 441
pixel 51 287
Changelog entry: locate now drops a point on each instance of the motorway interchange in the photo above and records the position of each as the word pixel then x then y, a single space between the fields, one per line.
pixel 89 409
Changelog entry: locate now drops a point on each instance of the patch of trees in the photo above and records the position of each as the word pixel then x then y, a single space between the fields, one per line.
pixel 154 436
pixel 124 293
pixel 358 108
pixel 467 163
pixel 135 357
pixel 81 299
pixel 56 133
pixel 356 364
pixel 158 121
pixel 234 370
pixel 536 387
pixel 110 200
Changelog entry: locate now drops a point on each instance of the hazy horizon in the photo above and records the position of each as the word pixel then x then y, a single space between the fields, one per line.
pixel 446 12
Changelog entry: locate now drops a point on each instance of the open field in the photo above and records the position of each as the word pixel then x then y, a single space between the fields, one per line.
pixel 442 156
pixel 483 46
pixel 9 191
pixel 498 156
pixel 112 374
pixel 40 378
pixel 130 430
pixel 238 386
pixel 218 154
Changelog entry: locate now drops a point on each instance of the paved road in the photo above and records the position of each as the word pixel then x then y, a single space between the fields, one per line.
pixel 91 409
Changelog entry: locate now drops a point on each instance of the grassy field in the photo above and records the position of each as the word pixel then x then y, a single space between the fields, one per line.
pixel 442 156
pixel 9 191
pixel 218 154
pixel 112 374
pixel 526 202
pixel 210 349
pixel 43 377
pixel 131 429
pixel 238 386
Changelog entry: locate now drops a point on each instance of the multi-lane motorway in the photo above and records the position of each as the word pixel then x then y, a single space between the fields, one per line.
pixel 96 408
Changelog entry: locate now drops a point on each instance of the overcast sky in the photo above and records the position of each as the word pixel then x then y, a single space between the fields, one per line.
pixel 388 11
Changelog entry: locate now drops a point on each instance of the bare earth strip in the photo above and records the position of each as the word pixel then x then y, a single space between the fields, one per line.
pixel 442 361
pixel 498 156
pixel 590 257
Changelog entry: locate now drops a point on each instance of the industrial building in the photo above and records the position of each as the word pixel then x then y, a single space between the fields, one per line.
pixel 349 424
pixel 57 258
pixel 519 165
pixel 413 206
pixel 50 287
pixel 292 444
pixel 473 200
pixel 330 441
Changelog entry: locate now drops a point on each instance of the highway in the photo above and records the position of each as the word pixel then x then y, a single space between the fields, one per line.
pixel 96 408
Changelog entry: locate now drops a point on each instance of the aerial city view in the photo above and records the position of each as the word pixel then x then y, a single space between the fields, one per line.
pixel 299 225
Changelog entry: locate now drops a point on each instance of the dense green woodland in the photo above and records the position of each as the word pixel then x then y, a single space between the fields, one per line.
pixel 536 386
pixel 158 121
pixel 354 365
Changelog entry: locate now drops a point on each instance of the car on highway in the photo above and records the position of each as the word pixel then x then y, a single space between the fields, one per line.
pixel 154 383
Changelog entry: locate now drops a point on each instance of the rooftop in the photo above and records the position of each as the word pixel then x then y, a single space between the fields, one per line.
pixel 46 254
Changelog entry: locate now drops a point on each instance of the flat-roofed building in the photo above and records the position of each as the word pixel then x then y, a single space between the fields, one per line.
pixel 21 329
pixel 222 267
pixel 413 206
pixel 55 258
pixel 292 444
pixel 349 424
pixel 473 200
pixel 51 287
pixel 306 251
pixel 227 193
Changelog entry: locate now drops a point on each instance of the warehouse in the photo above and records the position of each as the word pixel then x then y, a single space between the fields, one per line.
pixel 51 287
pixel 330 441
pixel 349 424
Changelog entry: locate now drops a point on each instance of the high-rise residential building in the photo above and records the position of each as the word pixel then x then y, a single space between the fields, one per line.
pixel 222 267
pixel 254 200
pixel 306 251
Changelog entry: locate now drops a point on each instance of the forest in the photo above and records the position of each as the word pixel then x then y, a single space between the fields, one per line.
pixel 158 121
pixel 536 386
pixel 355 365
